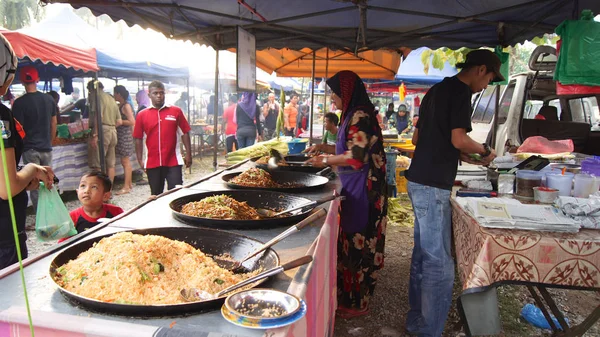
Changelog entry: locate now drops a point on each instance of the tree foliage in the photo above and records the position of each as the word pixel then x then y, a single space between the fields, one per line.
pixel 519 55
pixel 16 14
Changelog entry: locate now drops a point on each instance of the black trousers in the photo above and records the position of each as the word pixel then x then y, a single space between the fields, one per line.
pixel 157 176
pixel 8 253
pixel 229 141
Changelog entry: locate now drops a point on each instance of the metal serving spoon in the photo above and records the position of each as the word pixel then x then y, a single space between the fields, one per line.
pixel 237 265
pixel 195 295
pixel 267 213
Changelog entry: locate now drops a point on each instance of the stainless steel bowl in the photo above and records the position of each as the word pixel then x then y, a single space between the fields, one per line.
pixel 262 304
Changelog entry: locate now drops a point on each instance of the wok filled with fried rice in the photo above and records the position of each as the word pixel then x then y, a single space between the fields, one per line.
pixel 237 209
pixel 142 272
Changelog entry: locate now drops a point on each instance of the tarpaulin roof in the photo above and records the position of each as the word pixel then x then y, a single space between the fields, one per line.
pixel 345 24
pixel 298 63
pixel 114 67
pixel 67 28
pixel 50 53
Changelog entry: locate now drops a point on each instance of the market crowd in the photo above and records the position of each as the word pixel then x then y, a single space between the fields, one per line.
pixel 353 144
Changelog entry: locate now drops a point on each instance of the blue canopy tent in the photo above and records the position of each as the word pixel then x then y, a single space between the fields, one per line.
pixel 113 67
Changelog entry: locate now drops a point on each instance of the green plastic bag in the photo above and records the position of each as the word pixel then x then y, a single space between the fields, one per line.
pixel 52 220
pixel 579 51
pixel 62 131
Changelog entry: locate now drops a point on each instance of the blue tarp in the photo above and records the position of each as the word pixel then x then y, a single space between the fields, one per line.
pixel 113 67
pixel 338 24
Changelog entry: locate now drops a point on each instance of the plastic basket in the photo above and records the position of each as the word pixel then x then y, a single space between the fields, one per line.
pixel 296 146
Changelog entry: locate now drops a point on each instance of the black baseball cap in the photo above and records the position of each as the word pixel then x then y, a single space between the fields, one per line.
pixel 484 57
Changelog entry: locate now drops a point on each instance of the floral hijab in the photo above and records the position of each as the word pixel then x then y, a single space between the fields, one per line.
pixel 351 90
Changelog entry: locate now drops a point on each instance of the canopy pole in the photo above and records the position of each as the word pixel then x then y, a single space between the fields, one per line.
pixel 187 82
pixel 216 111
pixel 312 96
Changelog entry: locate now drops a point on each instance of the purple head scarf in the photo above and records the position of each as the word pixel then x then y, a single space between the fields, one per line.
pixel 142 98
pixel 248 104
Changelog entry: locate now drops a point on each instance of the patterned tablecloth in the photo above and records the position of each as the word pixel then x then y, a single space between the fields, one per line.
pixel 487 256
pixel 70 162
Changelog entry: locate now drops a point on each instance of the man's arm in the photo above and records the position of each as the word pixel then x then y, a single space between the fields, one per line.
pixel 415 137
pixel 464 143
pixel 266 110
pixel 286 117
pixel 53 128
pixel 187 144
pixel 139 152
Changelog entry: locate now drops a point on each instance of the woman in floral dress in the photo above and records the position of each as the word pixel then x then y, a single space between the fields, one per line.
pixel 360 159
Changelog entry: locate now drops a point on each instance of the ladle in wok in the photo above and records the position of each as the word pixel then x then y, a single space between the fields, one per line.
pixel 237 265
pixel 267 213
pixel 194 295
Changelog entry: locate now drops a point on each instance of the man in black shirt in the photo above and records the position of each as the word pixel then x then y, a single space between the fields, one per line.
pixel 441 141
pixel 270 112
pixel 36 111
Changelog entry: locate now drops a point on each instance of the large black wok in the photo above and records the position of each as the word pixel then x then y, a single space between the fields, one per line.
pixel 292 165
pixel 258 199
pixel 306 181
pixel 210 241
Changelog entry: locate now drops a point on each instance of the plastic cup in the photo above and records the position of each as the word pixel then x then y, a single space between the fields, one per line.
pixel 584 185
pixel 563 183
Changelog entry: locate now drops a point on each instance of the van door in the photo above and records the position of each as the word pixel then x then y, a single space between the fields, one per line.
pixel 483 114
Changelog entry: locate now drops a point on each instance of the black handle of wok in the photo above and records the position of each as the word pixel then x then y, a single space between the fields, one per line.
pixel 297 262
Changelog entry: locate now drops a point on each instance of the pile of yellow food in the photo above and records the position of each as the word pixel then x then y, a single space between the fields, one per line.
pixel 255 177
pixel 129 268
pixel 220 207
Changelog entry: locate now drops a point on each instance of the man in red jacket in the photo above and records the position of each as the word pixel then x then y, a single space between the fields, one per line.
pixel 162 125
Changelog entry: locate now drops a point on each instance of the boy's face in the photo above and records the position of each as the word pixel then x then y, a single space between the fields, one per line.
pixel 91 192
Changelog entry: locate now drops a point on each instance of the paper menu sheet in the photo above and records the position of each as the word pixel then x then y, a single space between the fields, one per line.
pixel 510 213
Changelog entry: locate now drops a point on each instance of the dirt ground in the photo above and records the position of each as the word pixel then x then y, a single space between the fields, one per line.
pixel 390 303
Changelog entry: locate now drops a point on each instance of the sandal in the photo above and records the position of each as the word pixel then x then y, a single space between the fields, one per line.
pixel 346 313
pixel 123 191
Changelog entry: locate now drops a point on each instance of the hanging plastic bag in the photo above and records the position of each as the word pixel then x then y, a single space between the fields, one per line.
pixel 52 220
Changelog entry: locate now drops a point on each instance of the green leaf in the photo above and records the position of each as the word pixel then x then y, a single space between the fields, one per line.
pixel 438 61
pixel 218 281
pixel 538 41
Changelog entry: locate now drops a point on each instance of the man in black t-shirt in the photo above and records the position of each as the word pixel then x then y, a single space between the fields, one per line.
pixel 270 111
pixel 36 111
pixel 441 141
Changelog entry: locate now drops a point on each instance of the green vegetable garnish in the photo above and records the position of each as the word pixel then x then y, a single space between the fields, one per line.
pixel 218 281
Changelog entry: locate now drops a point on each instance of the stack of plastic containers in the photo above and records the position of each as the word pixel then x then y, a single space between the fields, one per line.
pixel 588 182
pixel 561 182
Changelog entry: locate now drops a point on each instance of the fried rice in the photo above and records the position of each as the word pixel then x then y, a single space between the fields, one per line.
pixel 129 268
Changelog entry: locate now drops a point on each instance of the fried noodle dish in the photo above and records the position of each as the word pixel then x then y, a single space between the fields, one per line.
pixel 220 207
pixel 264 160
pixel 128 268
pixel 256 177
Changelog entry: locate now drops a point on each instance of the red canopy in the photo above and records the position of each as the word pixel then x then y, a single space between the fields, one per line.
pixel 50 52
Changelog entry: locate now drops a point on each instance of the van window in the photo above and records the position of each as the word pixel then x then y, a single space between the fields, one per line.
pixel 484 111
pixel 532 107
pixel 505 103
pixel 584 110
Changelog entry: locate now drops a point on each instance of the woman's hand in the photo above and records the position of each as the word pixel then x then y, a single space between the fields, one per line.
pixel 42 174
pixel 317 161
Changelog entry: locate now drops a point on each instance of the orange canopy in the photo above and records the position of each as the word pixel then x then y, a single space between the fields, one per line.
pixel 380 64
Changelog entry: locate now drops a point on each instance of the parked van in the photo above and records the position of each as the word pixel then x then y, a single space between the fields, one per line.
pixel 528 95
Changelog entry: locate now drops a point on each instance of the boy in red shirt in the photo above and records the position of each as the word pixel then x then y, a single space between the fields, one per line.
pixel 93 191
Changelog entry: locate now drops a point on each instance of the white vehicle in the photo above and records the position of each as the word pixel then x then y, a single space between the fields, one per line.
pixel 573 117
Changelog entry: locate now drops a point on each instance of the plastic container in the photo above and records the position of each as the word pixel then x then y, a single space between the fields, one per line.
pixel 297 145
pixel 545 195
pixel 563 183
pixel 584 185
pixel 526 181
pixel 506 183
pixel 591 166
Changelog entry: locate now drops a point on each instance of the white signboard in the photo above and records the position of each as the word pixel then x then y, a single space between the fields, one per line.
pixel 246 61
